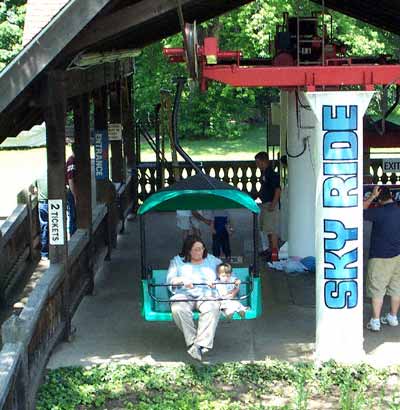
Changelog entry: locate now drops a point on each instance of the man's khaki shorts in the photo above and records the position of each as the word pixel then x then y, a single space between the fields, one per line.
pixel 383 277
pixel 269 221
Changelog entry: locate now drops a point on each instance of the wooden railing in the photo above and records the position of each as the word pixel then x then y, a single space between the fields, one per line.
pixel 241 174
pixel 19 244
pixel 30 336
pixel 380 177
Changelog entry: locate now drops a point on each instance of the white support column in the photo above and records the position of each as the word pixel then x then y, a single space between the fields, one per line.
pixel 301 175
pixel 284 213
pixel 339 223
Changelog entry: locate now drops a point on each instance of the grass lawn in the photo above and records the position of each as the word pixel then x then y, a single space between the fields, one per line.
pixel 245 147
pixel 269 385
pixel 18 169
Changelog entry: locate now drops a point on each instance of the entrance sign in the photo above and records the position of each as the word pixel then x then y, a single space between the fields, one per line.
pixel 391 165
pixel 101 154
pixel 56 222
pixel 339 223
pixel 114 132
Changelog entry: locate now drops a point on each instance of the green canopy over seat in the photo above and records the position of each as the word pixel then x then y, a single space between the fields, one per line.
pixel 198 192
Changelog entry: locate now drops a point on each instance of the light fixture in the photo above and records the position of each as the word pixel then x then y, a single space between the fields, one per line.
pixel 85 60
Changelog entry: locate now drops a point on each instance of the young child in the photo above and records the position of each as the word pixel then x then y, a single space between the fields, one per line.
pixel 221 228
pixel 227 287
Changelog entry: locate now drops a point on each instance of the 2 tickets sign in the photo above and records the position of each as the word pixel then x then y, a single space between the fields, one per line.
pixel 56 223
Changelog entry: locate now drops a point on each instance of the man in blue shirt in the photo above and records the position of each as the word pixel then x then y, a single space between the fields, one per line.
pixel 384 257
pixel 269 194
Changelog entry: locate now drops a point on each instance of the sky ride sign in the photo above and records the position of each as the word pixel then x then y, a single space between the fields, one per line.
pixel 339 222
pixel 101 154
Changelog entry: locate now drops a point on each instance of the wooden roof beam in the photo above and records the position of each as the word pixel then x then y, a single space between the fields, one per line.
pixel 78 82
pixel 104 28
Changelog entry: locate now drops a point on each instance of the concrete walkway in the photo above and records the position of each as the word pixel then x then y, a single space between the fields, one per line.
pixel 109 327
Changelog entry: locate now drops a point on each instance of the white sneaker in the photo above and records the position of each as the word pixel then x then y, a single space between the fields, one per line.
pixel 390 320
pixel 204 350
pixel 374 325
pixel 195 352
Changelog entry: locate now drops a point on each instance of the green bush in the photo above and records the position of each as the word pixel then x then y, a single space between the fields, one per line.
pixel 223 386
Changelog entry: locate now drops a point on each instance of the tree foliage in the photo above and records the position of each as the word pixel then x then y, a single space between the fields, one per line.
pixel 12 14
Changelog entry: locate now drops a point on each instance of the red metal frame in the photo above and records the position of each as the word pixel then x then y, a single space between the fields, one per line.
pixel 310 77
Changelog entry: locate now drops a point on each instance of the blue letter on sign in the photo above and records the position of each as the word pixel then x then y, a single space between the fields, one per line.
pixel 340 264
pixel 338 295
pixel 337 194
pixel 340 145
pixel 341 122
pixel 342 233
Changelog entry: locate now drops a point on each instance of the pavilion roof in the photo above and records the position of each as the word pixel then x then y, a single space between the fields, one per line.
pixel 104 25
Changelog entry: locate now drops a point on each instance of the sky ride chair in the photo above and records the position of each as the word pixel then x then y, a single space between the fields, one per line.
pixel 197 192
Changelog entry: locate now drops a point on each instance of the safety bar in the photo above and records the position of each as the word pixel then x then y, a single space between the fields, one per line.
pixel 154 285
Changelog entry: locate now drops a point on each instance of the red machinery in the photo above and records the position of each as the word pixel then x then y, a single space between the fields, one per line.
pixel 304 56
pixel 305 41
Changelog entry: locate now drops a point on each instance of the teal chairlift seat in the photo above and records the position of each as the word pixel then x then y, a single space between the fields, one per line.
pixel 155 307
pixel 197 192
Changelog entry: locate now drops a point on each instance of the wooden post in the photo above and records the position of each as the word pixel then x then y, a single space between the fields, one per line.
pixel 82 159
pixel 81 107
pixel 116 146
pixel 24 198
pixel 55 110
pixel 129 142
pixel 366 165
pixel 128 124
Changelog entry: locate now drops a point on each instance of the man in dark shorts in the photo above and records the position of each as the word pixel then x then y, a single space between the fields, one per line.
pixel 269 194
pixel 384 257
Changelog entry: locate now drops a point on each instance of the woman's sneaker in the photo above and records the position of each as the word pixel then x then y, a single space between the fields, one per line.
pixel 195 352
pixel 374 325
pixel 390 320
pixel 204 350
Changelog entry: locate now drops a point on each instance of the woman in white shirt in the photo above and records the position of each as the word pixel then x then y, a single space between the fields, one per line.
pixel 189 275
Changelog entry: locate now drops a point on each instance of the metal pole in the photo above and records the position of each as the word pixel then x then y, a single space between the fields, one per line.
pixel 142 228
pixel 158 146
pixel 179 88
pixel 323 32
pixel 255 243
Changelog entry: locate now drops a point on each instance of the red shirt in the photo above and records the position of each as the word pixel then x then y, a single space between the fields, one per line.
pixel 70 169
